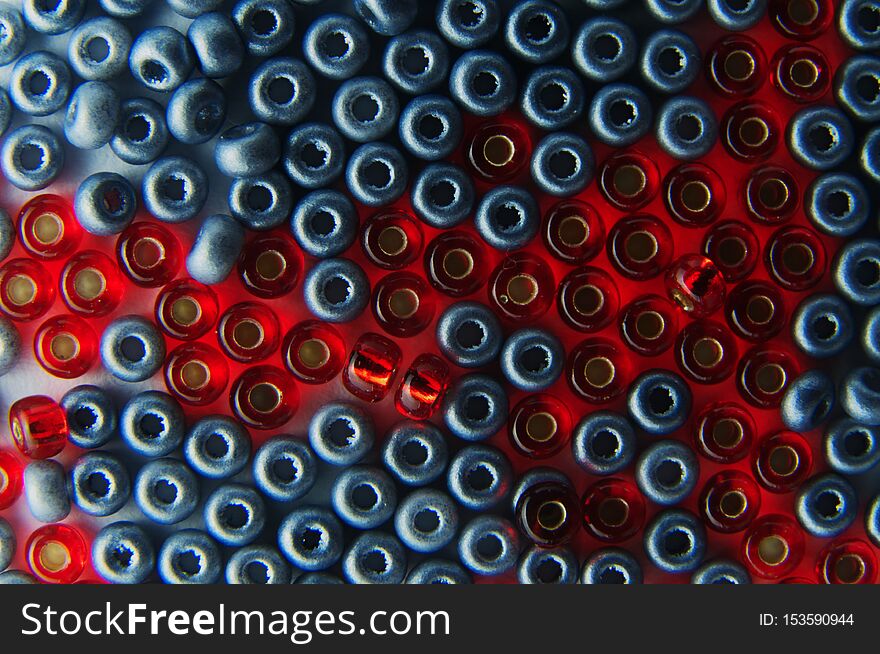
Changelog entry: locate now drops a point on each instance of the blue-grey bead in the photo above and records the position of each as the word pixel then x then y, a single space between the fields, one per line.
pixel 311 538
pixel 365 109
pixel 851 448
pixel 562 164
pixel 667 472
pixel 325 223
pixel 105 203
pixel 620 114
pixel 376 174
pixel 282 91
pixel 216 44
pixel 39 84
pixel 31 157
pixel 489 545
pixel 100 485
pixel 552 98
pixel 16 577
pixel 675 541
pixel 415 452
pixel 387 17
pixel 315 578
pixel 470 24
pixel 5 112
pixel 341 434
pixel 673 11
pixel 507 217
pixel 10 345
pixel 196 111
pixel 603 443
pixel 604 49
pixel 12 34
pixel 261 202
pixel 336 290
pixel 375 557
pixel 469 334
pixel 45 490
pixel 808 401
pixel 166 491
pixel 872 521
pixel 430 127
pixel 536 31
pixel 98 49
pixel 443 195
pixel 479 477
pixel 855 86
pixel 611 566
pixel 603 5
pixel 869 156
pixel 540 565
pixel 336 46
pixel 235 514
pixel 7 235
pixel 152 423
pixel 686 128
pixel 857 24
pixel 438 571
pixel 822 325
pixel 364 497
pixel 215 250
pixel 736 15
pixel 122 553
pixel 483 83
pixel 670 61
pixel 860 395
pixel 91 416
pixel 416 62
pixel 820 137
pixel 125 8
pixel 52 18
pixel 838 204
pixel 532 359
pixel 314 155
pixel 7 544
pixel 141 134
pixel 476 407
pixel 426 520
pixel 826 505
pixel 721 571
pixel 856 271
pixel 257 564
pixel 659 402
pixel 284 468
pixel 161 58
pixel 132 349
pixel 266 26
pixel 190 556
pixel 247 150
pixel 193 8
pixel 217 447
pixel 174 189
pixel 871 335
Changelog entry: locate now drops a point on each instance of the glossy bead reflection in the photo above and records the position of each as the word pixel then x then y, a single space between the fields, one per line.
pixel 39 426
pixel 539 426
pixel 56 554
pixel 372 367
pixel 422 388
pixel 148 253
pixel 313 352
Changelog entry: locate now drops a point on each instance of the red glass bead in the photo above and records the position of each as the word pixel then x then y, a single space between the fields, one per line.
pixel 706 352
pixel 724 432
pixel 456 264
pixel 91 284
pixel 48 227
pixel 696 285
pixel 573 232
pixel 783 461
pixel 771 195
pixel 548 513
pixel 26 289
pixel 736 66
pixel 314 352
pixel 598 371
pixel 196 373
pixel 66 346
pixel 773 546
pixel 539 426
pixel 56 554
pixel 695 195
pixel 371 367
pixel 248 332
pixel 498 151
pixel 763 376
pixel 801 72
pixel 148 253
pixel 587 299
pixel 648 324
pixel 10 479
pixel 847 562
pixel 640 247
pixel 39 426
pixel 614 510
pixel 750 131
pixel 629 180
pixel 270 266
pixel 186 309
pixel 755 311
pixel 392 240
pixel 733 247
pixel 801 19
pixel 521 287
pixel 422 388
pixel 730 501
pixel 403 304
pixel 264 397
pixel 795 258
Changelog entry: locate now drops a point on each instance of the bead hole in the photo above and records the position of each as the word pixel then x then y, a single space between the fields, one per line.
pixel 732 251
pixel 804 73
pixel 195 375
pixel 185 311
pixel 708 352
pixel 365 108
pixel 739 65
pixel 784 460
pixel 849 569
pixel 148 253
pixel 552 515
pixel 270 265
pixel 133 349
pixel 64 346
pixel 522 289
pixel 470 335
pixel 21 290
pixel 32 156
pixel 541 427
pixel 47 229
pixel 599 372
pixel 773 550
pixel 773 193
pixel 650 325
pixel 573 231
pixel 605 444
pixel 613 511
pixel 760 309
pixel 334 45
pixel 485 84
pixel 588 300
pixel 677 542
pixel 733 504
pixel 629 180
pixel 403 303
pixel 247 334
pixel 695 196
pixel 264 397
pixel 641 246
pixel 771 378
pixel 754 132
pixel 392 240
pixel 313 353
pixel 498 150
pixel 89 283
pixel 803 12
pixel 458 264
pixel 54 556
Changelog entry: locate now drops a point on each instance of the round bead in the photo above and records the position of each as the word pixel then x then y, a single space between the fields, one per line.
pixel 166 491
pixel 860 395
pixel 98 48
pixel 281 91
pixel 416 62
pixel 415 453
pixel 437 571
pixel 39 83
pixel 376 174
pixel 721 572
pixel 196 111
pixel 468 25
pixel 12 34
pixel 853 82
pixel 476 407
pixel 443 195
pixel 686 128
pixel 820 137
pixel 132 349
pixel 479 477
pixel 217 447
pixel 45 491
pixel 190 556
pixel 174 189
pixel 122 553
pixel 100 484
pixel 539 565
pixel 603 443
pixel 48 18
pixel 31 157
pixel 562 164
pixel 552 98
pixel 670 61
pixel 857 24
pixel 247 150
pixel 215 250
pixel 426 520
pixel 430 127
pixel 161 58
pixel 469 334
pixel 364 497
pixel 387 17
pixel 152 423
pixel 375 557
pixel 341 434
pixel 808 401
pixel 483 83
pixel 838 204
pixel 325 223
pixel 257 564
pixel 488 545
pixel 736 16
pixel 611 566
pixel 365 109
pixel 857 271
pixel 235 514
pixel 311 538
pixel 314 155
pixel 507 217
pixel 667 472
pixel 261 202
pixel 604 49
pixel 336 290
pixel 536 31
pixel 822 325
pixel 216 44
pixel 826 505
pixel 675 541
pixel 851 448
pixel 285 469
pixel 266 26
pixel 532 359
pixel 620 114
pixel 141 134
pixel 105 204
pixel 659 402
pixel 336 46
pixel 91 416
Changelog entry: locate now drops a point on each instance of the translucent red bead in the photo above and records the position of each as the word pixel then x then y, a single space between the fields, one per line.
pixel 196 373
pixel 539 426
pixel 548 513
pixel 456 264
pixel 66 346
pixel 10 479
pixel 613 510
pixel 573 232
pixel 392 240
pixel 47 227
pixel 264 397
pixel 696 285
pixel 148 253
pixel 248 332
pixel 56 554
pixel 314 352
pixel 372 367
pixel 26 289
pixel 186 309
pixel 403 304
pixel 422 387
pixel 91 284
pixel 270 266
pixel 39 426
